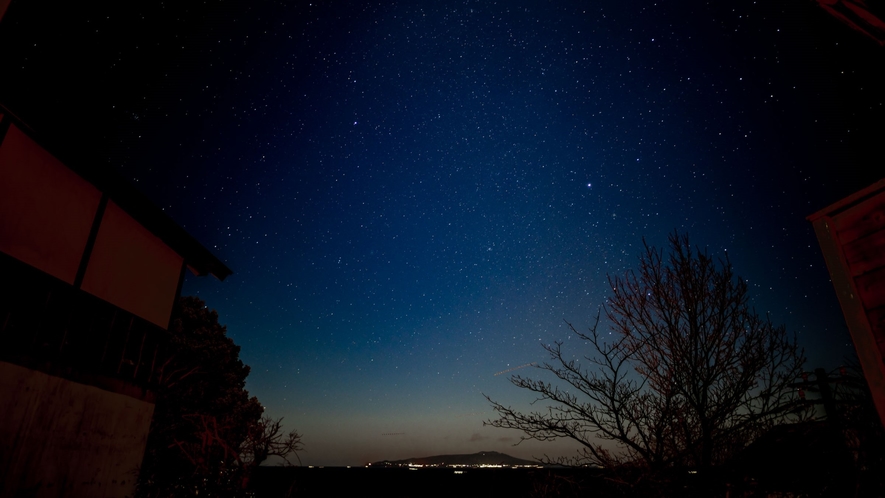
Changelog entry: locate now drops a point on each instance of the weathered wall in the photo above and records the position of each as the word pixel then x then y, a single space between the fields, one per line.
pixel 62 438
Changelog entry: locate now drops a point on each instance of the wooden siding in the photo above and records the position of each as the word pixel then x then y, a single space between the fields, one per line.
pixel 851 234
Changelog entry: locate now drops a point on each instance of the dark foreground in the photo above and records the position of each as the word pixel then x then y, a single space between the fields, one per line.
pixel 279 482
pixel 781 480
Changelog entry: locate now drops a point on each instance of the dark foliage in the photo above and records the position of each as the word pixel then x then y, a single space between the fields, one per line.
pixel 854 414
pixel 688 375
pixel 207 432
pixel 267 439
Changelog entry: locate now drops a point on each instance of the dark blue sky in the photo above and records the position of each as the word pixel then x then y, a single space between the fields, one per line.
pixel 413 197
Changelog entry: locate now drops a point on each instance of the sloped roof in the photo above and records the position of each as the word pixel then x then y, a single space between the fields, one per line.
pixel 199 259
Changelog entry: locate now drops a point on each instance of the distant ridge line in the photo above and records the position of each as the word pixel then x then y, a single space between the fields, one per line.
pixel 480 458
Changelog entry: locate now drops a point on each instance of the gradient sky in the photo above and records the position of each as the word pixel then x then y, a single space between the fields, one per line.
pixel 414 196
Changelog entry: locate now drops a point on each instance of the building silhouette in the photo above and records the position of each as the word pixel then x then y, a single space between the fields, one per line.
pixel 89 273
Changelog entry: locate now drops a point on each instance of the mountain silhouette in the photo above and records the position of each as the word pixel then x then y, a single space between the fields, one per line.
pixel 481 458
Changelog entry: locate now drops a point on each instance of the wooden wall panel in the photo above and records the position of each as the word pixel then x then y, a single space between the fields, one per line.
pixel 46 210
pixel 861 219
pixel 871 287
pixel 132 268
pixel 866 254
pixel 851 234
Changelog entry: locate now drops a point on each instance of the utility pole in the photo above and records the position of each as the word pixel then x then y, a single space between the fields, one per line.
pixel 822 384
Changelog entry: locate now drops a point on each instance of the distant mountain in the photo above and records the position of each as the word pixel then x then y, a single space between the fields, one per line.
pixel 481 458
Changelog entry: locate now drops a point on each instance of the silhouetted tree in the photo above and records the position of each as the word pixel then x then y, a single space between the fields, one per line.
pixel 207 431
pixel 688 374
pixel 267 439
pixel 858 421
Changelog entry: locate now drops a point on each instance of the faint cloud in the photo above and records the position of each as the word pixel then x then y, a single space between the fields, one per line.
pixel 477 437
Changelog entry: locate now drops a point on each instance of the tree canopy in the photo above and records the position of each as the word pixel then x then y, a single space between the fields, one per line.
pixel 207 432
pixel 689 374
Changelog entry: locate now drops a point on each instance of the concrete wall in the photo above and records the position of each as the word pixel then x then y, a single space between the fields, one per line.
pixel 63 438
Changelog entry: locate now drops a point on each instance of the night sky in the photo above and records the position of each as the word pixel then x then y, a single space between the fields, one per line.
pixel 414 196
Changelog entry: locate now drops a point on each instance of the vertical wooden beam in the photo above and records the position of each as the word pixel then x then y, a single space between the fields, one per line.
pixel 125 344
pixel 181 275
pixel 107 337
pixel 144 334
pixel 153 362
pixel 90 241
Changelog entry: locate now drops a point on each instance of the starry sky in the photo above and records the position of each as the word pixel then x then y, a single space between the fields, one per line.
pixel 414 196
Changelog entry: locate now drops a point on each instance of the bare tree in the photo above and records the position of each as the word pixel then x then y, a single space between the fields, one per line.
pixel 267 439
pixel 207 434
pixel 689 374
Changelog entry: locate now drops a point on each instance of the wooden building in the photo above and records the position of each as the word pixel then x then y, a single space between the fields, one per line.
pixel 89 272
pixel 851 234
